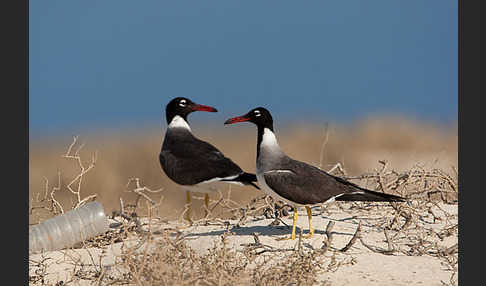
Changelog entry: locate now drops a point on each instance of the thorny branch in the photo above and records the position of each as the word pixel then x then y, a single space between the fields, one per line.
pixel 49 201
pixel 83 170
pixel 139 190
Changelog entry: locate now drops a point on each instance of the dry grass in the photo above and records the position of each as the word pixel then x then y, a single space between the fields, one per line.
pixel 173 263
pixel 413 160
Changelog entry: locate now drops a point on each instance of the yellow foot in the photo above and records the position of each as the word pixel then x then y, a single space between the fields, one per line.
pixel 311 229
pixel 292 236
pixel 187 216
pixel 285 238
pixel 308 235
pixel 206 204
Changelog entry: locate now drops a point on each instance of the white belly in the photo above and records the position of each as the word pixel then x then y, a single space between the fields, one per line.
pixel 209 187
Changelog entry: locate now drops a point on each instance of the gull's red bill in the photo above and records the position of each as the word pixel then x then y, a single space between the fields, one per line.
pixel 236 120
pixel 200 107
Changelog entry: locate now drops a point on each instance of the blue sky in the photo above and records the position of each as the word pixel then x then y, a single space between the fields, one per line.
pixel 116 63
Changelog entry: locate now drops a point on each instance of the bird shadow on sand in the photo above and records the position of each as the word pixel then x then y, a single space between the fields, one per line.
pixel 261 230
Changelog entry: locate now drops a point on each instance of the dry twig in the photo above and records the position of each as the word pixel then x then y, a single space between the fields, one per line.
pixel 353 239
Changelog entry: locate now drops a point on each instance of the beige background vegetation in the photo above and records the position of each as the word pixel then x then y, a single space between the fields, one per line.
pixel 126 154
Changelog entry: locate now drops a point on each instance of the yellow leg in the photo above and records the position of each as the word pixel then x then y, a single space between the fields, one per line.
pixel 311 229
pixel 292 237
pixel 188 206
pixel 206 203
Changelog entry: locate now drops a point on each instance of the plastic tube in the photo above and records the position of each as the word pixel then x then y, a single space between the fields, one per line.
pixel 68 229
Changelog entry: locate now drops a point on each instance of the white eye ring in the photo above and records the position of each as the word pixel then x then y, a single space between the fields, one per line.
pixel 182 103
pixel 257 113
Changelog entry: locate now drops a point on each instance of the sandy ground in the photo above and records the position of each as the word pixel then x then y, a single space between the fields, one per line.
pixel 357 266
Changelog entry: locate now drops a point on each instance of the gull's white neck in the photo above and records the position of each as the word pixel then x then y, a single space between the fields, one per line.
pixel 269 141
pixel 179 122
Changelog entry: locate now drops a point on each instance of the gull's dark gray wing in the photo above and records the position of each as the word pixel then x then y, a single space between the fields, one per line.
pixel 306 184
pixel 188 160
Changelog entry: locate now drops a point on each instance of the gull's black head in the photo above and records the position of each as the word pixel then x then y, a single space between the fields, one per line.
pixel 260 116
pixel 183 106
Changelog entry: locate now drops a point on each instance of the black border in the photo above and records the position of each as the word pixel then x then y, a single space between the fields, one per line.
pixel 471 50
pixel 15 140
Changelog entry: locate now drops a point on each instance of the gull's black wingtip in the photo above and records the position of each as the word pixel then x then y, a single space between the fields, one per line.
pixel 370 196
pixel 246 179
pixel 249 179
pixel 254 185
